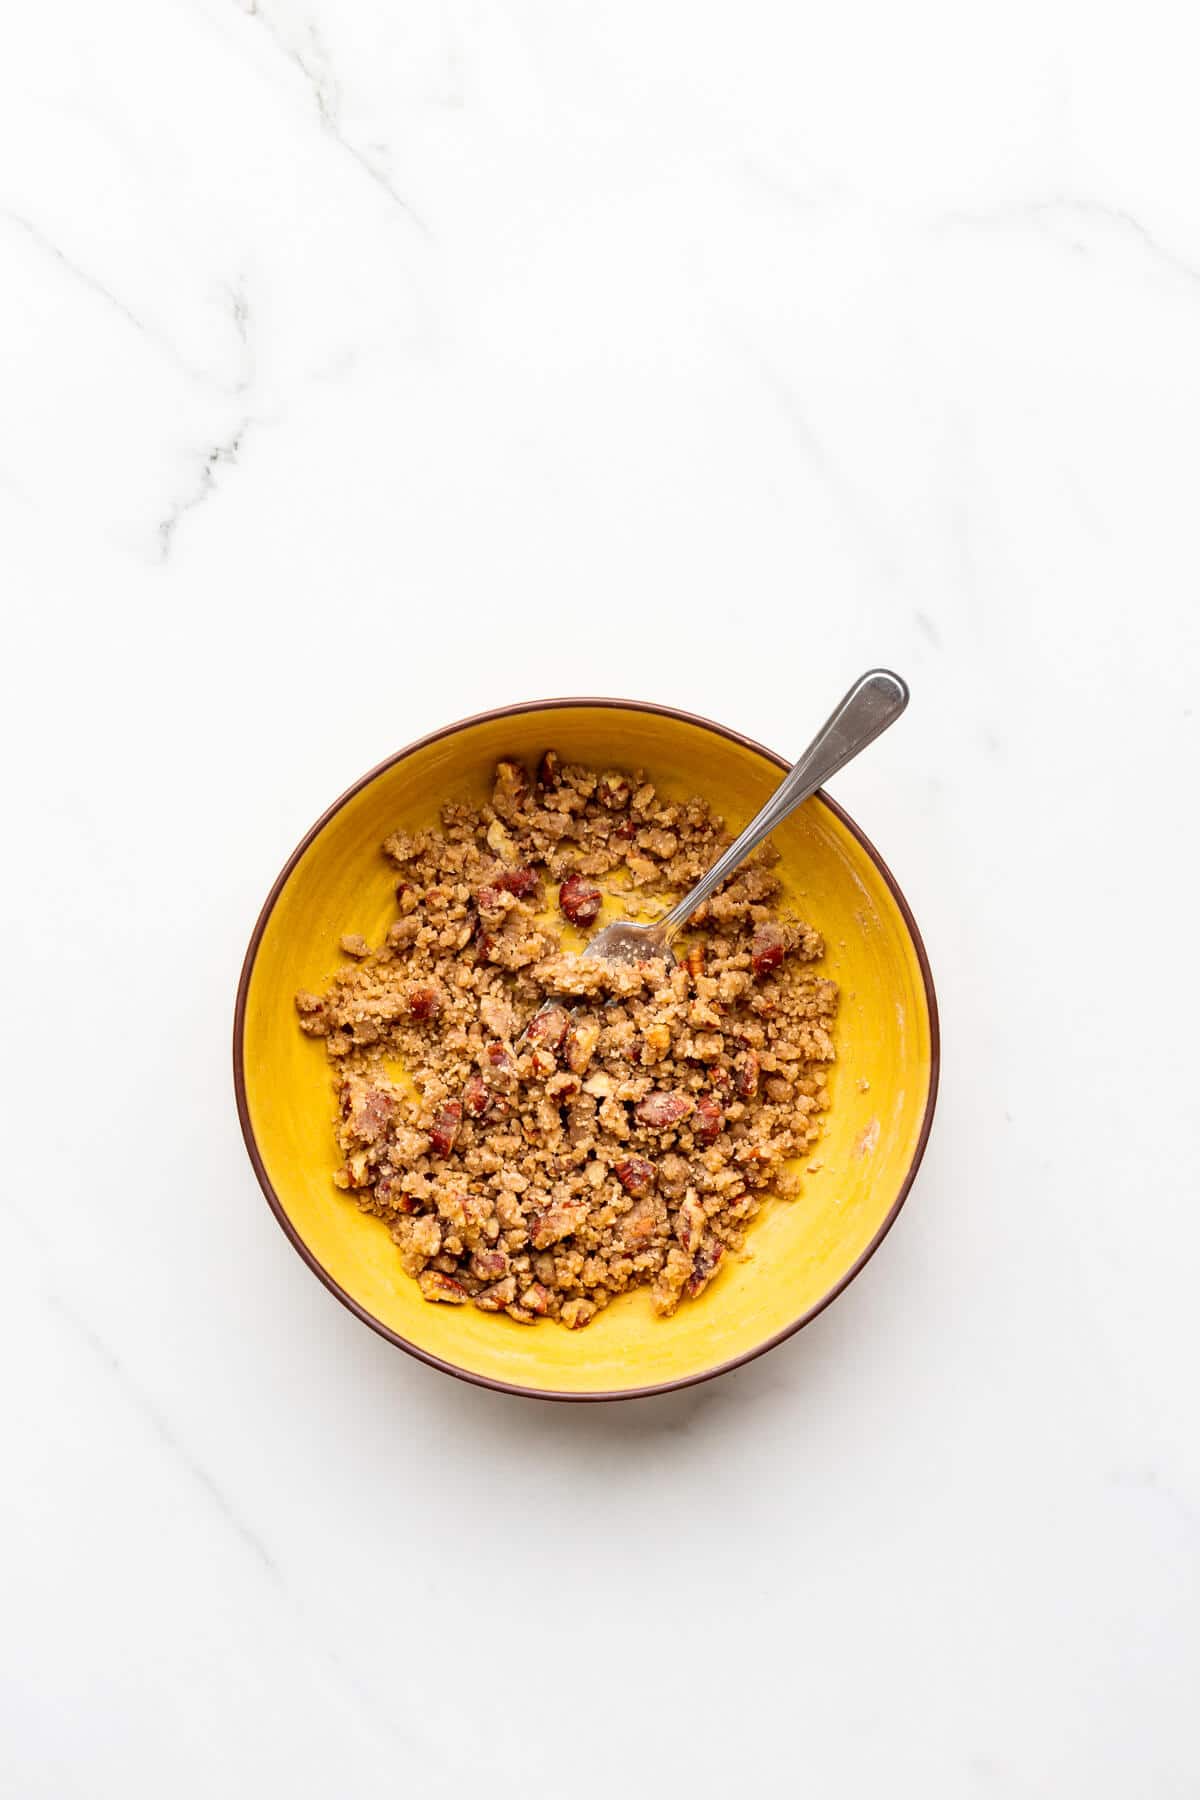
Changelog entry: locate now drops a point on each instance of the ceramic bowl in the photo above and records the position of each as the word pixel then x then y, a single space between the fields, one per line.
pixel 800 1253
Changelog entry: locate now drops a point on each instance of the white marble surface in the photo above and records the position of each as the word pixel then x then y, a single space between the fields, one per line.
pixel 871 330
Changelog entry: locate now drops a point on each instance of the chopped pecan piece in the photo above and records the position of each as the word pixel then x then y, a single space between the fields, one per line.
pixel 635 1175
pixel 368 1111
pixel 548 1027
pixel 614 790
pixel 499 1297
pixel 709 1117
pixel 745 1074
pixel 356 1172
pixel 536 1298
pixel 556 1223
pixel 766 949
pixel 500 1069
pixel 475 1097
pixel 424 1002
pixel 436 1286
pixel 639 1225
pixel 549 770
pixel 580 899
pixel 663 1111
pixel 690 1221
pixel 490 1265
pixel 510 788
pixel 490 902
pixel 444 1129
pixel 520 882
pixel 389 1192
pixel 582 1037
pixel 708 1256
pixel 499 842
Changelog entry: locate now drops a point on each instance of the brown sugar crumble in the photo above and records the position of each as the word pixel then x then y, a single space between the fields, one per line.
pixel 628 1136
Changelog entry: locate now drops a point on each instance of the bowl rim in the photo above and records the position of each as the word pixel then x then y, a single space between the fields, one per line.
pixel 335 1288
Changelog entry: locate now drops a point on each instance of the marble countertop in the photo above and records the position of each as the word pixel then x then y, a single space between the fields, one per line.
pixel 413 339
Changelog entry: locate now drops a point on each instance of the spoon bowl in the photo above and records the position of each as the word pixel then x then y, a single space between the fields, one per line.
pixel 626 942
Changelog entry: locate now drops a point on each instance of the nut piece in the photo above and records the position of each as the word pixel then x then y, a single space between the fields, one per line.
pixel 745 1074
pixel 548 1027
pixel 522 882
pixel 489 899
pixel 368 1111
pixel 424 1002
pixel 490 1265
pixel 708 1257
pixel 614 790
pixel 582 1037
pixel 435 1286
pixel 499 842
pixel 499 1296
pixel 389 1193
pixel 639 1225
pixel 475 1097
pixel 690 1221
pixel 500 1071
pixel 663 1111
pixel 556 1223
pixel 766 949
pixel 536 1298
pixel 510 788
pixel 579 899
pixel 709 1118
pixel 549 773
pixel 445 1126
pixel 635 1175
pixel 355 1174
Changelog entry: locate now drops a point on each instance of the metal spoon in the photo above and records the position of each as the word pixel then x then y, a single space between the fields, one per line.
pixel 874 702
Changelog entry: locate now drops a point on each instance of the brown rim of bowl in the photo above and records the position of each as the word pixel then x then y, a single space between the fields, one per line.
pixel 347 1300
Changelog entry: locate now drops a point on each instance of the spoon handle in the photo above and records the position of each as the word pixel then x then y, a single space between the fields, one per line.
pixel 874 702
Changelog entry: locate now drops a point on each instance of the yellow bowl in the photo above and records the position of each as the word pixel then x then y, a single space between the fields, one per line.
pixel 801 1253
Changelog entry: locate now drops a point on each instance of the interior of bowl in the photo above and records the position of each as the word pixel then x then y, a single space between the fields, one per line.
pixel 799 1252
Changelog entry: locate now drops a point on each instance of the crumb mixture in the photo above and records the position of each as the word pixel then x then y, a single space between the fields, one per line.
pixel 541 1132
